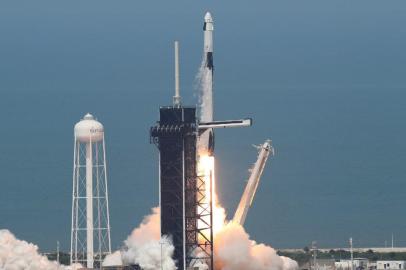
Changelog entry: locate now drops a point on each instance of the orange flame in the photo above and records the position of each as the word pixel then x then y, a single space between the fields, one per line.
pixel 207 173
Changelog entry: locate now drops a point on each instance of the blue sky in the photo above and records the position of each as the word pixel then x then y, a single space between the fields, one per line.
pixel 323 79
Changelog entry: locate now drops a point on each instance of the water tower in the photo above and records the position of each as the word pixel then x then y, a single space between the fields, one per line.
pixel 90 235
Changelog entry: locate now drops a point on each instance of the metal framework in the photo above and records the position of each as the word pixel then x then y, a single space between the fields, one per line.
pixel 264 150
pixel 203 252
pixel 90 190
pixel 181 190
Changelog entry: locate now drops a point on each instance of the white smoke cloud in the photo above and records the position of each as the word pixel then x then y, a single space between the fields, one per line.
pixel 113 259
pixel 17 254
pixel 201 265
pixel 149 230
pixel 289 264
pixel 148 255
pixel 145 247
pixel 234 250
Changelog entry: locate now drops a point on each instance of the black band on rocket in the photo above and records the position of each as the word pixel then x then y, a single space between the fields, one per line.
pixel 209 61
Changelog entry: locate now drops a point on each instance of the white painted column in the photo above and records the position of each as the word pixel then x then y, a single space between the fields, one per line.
pixel 89 204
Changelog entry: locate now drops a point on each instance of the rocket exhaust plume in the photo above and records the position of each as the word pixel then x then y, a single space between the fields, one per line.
pixel 17 254
pixel 144 245
pixel 234 250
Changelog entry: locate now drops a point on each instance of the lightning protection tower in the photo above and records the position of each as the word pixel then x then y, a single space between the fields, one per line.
pixel 90 235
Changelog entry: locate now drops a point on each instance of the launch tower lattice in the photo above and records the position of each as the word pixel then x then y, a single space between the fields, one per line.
pixel 182 191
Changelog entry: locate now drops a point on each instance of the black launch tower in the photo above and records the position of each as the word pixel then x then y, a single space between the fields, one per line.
pixel 175 135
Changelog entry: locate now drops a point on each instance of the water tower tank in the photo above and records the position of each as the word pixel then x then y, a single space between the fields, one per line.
pixel 89 129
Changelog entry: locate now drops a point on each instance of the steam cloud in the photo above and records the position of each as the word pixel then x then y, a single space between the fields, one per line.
pixel 20 255
pixel 144 246
pixel 234 250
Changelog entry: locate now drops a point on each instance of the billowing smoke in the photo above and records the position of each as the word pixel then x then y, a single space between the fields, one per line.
pixel 17 254
pixel 289 264
pixel 145 247
pixel 113 259
pixel 234 250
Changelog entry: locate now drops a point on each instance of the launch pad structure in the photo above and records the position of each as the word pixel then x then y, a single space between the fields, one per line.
pixel 182 194
pixel 183 200
pixel 182 191
pixel 186 212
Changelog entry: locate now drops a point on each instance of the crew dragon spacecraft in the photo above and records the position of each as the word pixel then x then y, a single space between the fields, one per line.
pixel 206 140
pixel 207 123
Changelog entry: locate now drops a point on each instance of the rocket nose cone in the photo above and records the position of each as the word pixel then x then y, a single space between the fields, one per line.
pixel 208 17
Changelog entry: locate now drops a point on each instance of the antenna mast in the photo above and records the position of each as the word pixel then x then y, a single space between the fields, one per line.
pixel 57 251
pixel 314 248
pixel 352 254
pixel 392 240
pixel 176 98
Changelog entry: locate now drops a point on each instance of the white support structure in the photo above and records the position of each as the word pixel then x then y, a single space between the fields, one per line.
pixel 225 124
pixel 253 182
pixel 90 235
pixel 89 204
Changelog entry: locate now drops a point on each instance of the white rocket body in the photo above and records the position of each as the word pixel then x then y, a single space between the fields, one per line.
pixel 208 28
pixel 252 184
pixel 206 139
